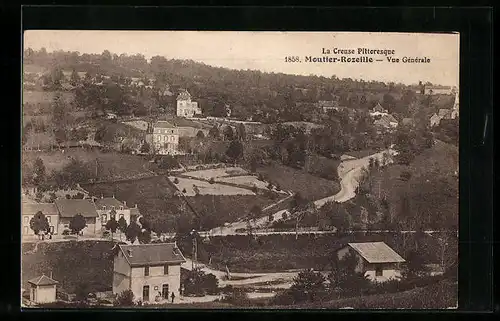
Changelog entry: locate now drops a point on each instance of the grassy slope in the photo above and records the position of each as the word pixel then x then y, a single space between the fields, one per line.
pixel 432 190
pixel 71 263
pixel 290 179
pixel 111 165
pixel 441 295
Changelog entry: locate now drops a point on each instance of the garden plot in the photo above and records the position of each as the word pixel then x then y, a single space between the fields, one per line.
pixel 247 180
pixel 205 188
pixel 216 172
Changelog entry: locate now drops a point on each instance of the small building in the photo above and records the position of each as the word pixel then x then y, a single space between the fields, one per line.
pixel 151 271
pixel 378 110
pixel 376 260
pixel 165 138
pixel 42 289
pixel 386 121
pixel 186 107
pixel 68 208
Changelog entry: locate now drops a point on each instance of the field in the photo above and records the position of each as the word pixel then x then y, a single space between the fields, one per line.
pixel 205 188
pixel 44 97
pixel 71 263
pixel 246 180
pixel 155 199
pixel 290 179
pixel 216 172
pixel 110 165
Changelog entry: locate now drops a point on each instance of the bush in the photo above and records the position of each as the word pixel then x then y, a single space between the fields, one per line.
pixel 66 232
pixel 176 180
pixel 212 180
pixel 124 299
pixel 236 297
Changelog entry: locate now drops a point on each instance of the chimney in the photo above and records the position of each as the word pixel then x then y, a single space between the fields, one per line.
pixel 135 205
pixel 102 196
pixel 113 195
pixel 124 203
pixel 51 274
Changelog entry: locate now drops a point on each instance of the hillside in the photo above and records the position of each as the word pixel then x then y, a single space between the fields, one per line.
pixel 432 190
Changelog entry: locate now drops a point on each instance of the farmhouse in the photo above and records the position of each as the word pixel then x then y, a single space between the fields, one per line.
pixel 151 271
pixel 43 289
pixel 186 107
pixel 376 260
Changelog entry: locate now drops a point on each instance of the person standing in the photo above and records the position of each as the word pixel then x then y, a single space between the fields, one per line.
pixel 172 297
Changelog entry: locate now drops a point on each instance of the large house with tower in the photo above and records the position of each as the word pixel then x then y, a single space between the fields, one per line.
pixel 186 107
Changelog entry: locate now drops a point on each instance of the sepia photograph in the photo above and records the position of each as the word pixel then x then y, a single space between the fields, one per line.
pixel 239 170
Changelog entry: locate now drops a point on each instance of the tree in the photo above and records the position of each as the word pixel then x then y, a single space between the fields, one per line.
pixel 125 299
pixel 308 286
pixel 82 292
pixel 38 171
pixel 77 224
pixel 242 135
pixel 168 162
pixel 145 148
pixel 214 132
pixel 132 232
pixel 228 133
pixel 39 223
pixel 235 150
pixel 200 135
pixel 112 225
pixel 75 78
pixel 144 236
pixel 122 226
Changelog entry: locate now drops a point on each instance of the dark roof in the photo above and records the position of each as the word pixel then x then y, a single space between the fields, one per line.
pixel 33 208
pixel 152 254
pixel 72 207
pixel 43 280
pixel 108 202
pixel 376 252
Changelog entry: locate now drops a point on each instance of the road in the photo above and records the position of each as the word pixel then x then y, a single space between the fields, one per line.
pixel 349 172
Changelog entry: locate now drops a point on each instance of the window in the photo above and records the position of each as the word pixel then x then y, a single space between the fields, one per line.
pixel 104 218
pixel 145 293
pixel 164 291
pixel 26 218
pixel 146 271
pixel 52 229
pixel 121 207
pixel 25 230
pixel 378 271
pixel 103 208
pixel 48 219
pixel 121 215
pixel 165 269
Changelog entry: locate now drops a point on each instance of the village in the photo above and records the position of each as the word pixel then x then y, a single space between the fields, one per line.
pixel 142 191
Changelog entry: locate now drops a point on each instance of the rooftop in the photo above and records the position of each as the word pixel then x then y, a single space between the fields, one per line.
pixel 152 254
pixel 43 280
pixel 109 202
pixel 33 208
pixel 73 207
pixel 376 252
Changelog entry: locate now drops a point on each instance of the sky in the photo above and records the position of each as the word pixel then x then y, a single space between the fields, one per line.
pixel 266 51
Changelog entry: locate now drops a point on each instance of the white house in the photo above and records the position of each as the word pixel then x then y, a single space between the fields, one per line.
pixel 165 138
pixel 186 107
pixel 151 271
pixel 106 205
pixel 376 260
pixel 42 289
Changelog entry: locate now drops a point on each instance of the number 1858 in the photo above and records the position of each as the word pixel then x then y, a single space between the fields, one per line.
pixel 292 59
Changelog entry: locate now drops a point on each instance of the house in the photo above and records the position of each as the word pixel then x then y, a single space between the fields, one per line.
pixel 151 271
pixel 68 208
pixel 435 120
pixel 378 110
pixel 105 206
pixel 186 107
pixel 376 260
pixel 327 105
pixel 42 289
pixel 386 121
pixel 165 138
pixel 29 209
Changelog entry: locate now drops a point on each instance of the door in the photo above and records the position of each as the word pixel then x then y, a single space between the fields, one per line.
pixel 33 294
pixel 25 230
pixel 164 291
pixel 52 229
pixel 145 293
